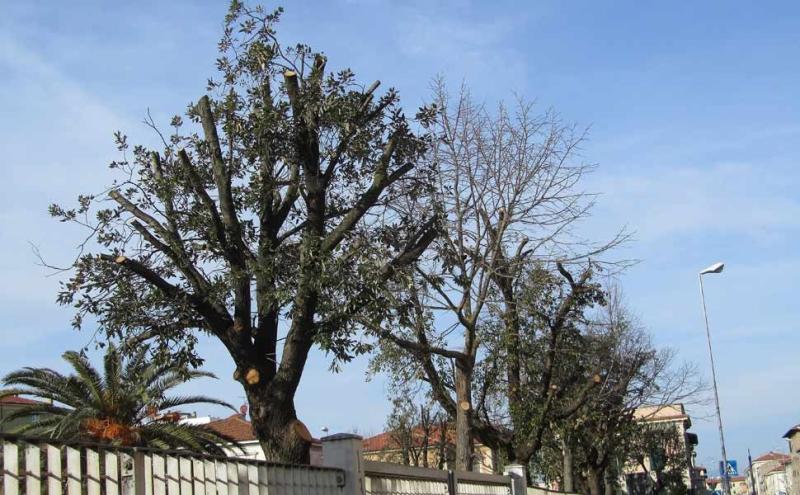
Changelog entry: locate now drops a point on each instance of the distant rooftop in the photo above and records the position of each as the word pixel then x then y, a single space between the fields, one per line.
pixel 771 456
pixel 794 429
pixel 238 428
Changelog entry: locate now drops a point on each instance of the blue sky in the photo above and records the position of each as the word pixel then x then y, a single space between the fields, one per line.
pixel 693 111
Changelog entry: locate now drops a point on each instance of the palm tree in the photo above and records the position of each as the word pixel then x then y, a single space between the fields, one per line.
pixel 126 406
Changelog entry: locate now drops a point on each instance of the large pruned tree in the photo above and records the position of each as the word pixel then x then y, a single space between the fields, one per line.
pixel 269 223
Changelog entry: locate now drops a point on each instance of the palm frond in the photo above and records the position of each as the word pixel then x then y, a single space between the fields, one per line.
pixel 170 402
pixel 87 374
pixel 112 368
pixel 115 407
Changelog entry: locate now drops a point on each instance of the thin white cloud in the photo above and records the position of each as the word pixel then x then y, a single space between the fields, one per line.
pixel 728 198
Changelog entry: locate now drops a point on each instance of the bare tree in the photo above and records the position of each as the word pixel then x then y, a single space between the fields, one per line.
pixel 508 189
pixel 419 432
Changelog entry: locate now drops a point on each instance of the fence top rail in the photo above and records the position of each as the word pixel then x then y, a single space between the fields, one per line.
pixel 534 489
pixel 391 470
pixel 483 478
pixel 12 438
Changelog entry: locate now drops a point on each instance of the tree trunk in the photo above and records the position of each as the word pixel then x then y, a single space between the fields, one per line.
pixel 594 481
pixel 609 485
pixel 568 479
pixel 281 435
pixel 463 381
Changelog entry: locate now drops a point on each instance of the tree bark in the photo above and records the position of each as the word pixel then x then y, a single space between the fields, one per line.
pixel 567 474
pixel 281 435
pixel 463 382
pixel 594 481
pixel 609 486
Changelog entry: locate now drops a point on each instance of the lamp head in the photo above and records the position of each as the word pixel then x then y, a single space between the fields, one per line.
pixel 715 268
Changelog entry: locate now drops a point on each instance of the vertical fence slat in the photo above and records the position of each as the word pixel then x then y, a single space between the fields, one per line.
pixel 186 475
pixel 233 478
pixel 33 469
pixel 242 476
pixel 252 479
pixel 211 477
pixel 112 473
pixel 10 468
pixel 92 472
pixel 173 476
pixel 143 473
pixel 280 481
pixel 263 480
pixel 148 466
pixel 125 473
pixel 53 470
pixel 159 475
pixel 198 476
pixel 221 472
pixel 73 471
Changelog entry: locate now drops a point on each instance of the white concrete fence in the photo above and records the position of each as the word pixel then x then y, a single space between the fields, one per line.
pixel 38 466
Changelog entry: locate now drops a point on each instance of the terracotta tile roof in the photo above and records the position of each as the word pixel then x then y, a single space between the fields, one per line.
pixel 387 441
pixel 381 441
pixel 237 428
pixel 771 456
pixel 14 399
pixel 735 479
pixel 234 427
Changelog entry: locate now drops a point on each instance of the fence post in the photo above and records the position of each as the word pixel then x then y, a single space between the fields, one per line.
pixel 344 451
pixel 519 481
pixel 452 483
pixel 139 474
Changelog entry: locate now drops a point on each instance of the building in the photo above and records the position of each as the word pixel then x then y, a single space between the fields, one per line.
pixel 239 429
pixel 700 479
pixel 793 437
pixel 11 404
pixel 793 469
pixel 636 478
pixel 440 450
pixel 769 473
pixel 739 485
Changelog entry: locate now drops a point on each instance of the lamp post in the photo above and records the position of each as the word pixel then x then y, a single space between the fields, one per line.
pixel 715 268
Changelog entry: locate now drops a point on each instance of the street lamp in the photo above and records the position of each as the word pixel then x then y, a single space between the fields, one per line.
pixel 715 268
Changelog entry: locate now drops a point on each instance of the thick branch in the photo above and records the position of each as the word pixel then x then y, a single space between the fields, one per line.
pixel 380 181
pixel 216 317
pixel 222 178
pixel 200 191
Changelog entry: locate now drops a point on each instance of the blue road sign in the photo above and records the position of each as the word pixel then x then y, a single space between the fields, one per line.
pixel 733 468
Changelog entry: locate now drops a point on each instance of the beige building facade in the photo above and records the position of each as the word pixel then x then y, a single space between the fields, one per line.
pixel 793 468
pixel 384 447
pixel 769 474
pixel 634 479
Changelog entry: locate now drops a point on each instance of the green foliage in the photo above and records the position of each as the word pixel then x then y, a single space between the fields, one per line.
pixel 286 127
pixel 660 450
pixel 125 403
